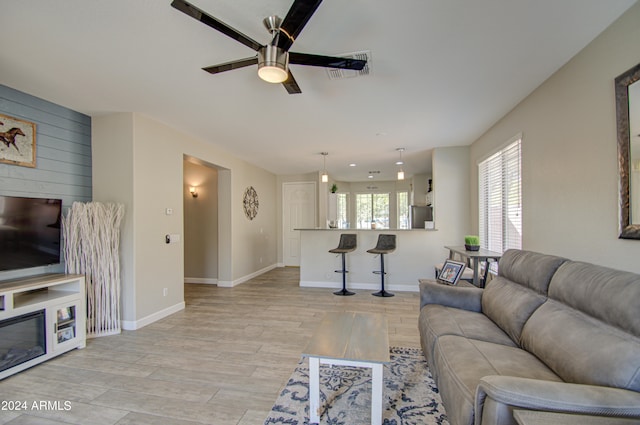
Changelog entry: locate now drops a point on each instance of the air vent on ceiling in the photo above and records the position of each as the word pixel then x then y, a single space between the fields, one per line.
pixel 337 73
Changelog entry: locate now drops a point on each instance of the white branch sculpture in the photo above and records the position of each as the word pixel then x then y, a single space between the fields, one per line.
pixel 91 234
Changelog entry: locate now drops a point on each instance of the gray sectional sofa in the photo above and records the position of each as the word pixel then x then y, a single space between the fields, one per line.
pixel 546 334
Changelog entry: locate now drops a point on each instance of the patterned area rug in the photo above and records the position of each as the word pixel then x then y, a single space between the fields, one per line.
pixel 409 394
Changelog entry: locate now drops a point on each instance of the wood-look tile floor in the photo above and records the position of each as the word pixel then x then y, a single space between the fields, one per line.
pixel 222 360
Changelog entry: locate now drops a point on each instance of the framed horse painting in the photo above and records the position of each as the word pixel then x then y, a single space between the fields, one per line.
pixel 17 141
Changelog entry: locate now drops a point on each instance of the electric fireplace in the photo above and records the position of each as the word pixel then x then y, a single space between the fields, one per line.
pixel 22 338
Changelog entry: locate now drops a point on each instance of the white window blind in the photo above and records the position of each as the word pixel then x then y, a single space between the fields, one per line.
pixel 402 200
pixel 500 199
pixel 343 211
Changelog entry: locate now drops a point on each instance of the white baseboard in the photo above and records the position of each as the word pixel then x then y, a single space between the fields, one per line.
pixel 400 287
pixel 204 280
pixel 231 284
pixel 132 325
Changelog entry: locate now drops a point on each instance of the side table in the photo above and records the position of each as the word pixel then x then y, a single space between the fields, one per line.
pixel 480 256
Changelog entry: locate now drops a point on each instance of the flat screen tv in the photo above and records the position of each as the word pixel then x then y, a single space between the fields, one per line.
pixel 29 232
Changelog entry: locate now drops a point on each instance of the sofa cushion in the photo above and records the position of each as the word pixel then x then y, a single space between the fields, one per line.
pixel 437 320
pixel 530 269
pixel 610 295
pixel 510 305
pixel 462 362
pixel 582 349
pixel 588 331
pixel 520 288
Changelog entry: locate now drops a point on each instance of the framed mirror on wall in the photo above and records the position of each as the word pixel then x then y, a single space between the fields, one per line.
pixel 627 88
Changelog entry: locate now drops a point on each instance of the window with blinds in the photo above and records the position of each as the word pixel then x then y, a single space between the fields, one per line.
pixel 343 210
pixel 402 205
pixel 500 199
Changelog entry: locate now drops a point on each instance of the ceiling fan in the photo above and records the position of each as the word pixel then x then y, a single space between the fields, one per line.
pixel 273 59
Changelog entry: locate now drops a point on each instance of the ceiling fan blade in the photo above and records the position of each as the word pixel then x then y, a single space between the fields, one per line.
pixel 228 66
pixel 297 17
pixel 291 85
pixel 326 61
pixel 202 16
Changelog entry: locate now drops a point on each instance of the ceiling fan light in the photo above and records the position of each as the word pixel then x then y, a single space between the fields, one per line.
pixel 273 74
pixel 273 64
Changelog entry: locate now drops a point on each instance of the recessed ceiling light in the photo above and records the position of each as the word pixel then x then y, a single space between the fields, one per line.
pixel 370 176
pixel 353 164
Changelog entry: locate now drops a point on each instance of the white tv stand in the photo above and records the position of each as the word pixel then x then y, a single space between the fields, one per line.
pixel 62 297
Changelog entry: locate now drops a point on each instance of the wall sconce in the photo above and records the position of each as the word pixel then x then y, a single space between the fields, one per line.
pixel 193 191
pixel 400 163
pixel 325 177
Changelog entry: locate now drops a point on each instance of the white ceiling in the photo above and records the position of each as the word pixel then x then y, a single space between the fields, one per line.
pixel 442 71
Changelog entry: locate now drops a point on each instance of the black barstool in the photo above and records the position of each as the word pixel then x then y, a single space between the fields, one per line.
pixel 386 244
pixel 347 244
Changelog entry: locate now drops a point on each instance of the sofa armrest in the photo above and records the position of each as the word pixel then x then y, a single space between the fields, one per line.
pixel 466 298
pixel 497 396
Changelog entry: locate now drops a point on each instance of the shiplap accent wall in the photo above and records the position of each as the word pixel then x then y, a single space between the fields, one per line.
pixel 63 154
pixel 63 151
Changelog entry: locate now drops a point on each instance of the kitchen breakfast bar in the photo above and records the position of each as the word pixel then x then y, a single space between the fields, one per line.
pixel 417 250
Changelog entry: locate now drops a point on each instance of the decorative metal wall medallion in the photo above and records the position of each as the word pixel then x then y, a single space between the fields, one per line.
pixel 250 203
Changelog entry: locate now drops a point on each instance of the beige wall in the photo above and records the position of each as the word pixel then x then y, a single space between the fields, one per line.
pixel 569 156
pixel 112 182
pixel 152 157
pixel 253 241
pixel 451 193
pixel 157 185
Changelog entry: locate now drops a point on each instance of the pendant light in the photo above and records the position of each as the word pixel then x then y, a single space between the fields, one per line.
pixel 400 163
pixel 325 176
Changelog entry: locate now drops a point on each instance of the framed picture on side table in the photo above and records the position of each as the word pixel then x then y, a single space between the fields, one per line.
pixel 451 272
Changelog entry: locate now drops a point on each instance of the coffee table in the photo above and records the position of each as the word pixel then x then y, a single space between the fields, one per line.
pixel 349 339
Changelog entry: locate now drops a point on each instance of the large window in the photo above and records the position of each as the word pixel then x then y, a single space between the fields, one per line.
pixel 500 199
pixel 372 210
pixel 403 209
pixel 343 210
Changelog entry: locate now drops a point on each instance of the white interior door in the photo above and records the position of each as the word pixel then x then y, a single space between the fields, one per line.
pixel 299 211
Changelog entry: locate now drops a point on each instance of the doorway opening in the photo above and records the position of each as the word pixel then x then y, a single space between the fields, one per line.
pixel 207 222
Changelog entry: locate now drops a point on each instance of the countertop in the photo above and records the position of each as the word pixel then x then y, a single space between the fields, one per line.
pixel 370 230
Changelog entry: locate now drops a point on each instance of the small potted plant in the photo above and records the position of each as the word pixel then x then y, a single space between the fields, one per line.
pixel 471 243
pixel 334 188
